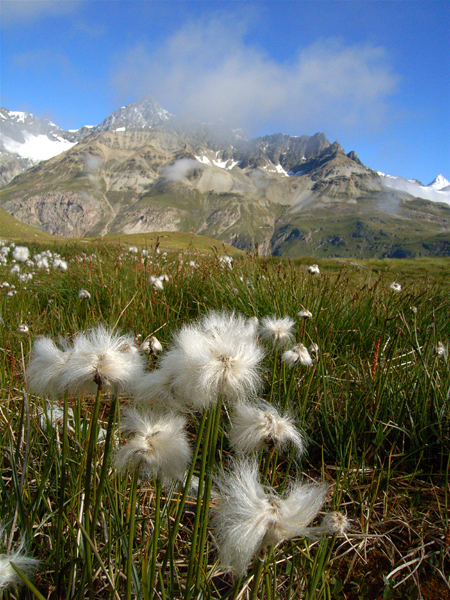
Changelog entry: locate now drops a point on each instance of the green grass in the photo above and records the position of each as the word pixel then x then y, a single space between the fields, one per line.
pixel 374 408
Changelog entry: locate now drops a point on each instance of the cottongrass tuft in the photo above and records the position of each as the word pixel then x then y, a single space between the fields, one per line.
pixel 98 356
pixel 247 517
pixel 298 355
pixel 277 330
pixel 313 270
pixel 21 253
pixel 440 350
pixel 304 314
pixel 157 446
pixel 218 356
pixel 84 294
pixel 102 356
pixel 44 371
pixel 9 577
pixel 259 424
pixel 151 345
pixel 395 287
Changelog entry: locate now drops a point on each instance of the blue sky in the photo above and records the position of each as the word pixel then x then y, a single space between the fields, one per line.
pixel 374 75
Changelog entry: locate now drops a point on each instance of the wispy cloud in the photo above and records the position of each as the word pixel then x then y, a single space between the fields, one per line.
pixel 209 71
pixel 28 11
pixel 416 190
pixel 180 168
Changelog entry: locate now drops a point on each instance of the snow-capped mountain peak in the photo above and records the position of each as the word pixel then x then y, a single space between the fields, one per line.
pixel 439 183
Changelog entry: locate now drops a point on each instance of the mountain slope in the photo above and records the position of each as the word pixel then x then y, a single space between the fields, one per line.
pixel 144 170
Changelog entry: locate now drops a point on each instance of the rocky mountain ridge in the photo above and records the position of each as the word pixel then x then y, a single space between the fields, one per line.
pixel 143 169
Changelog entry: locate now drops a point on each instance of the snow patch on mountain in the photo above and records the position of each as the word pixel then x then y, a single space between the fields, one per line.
pixel 36 147
pixel 215 162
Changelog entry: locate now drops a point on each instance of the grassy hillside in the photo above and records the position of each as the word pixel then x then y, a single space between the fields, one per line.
pixel 14 230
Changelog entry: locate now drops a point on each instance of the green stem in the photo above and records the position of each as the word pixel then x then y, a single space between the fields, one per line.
pixel 207 496
pixel 92 440
pixel 182 501
pixel 106 451
pixel 201 480
pixel 131 534
pixel 155 536
pixel 257 577
pixel 62 485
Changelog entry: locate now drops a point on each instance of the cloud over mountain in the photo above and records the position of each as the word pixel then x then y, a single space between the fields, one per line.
pixel 209 71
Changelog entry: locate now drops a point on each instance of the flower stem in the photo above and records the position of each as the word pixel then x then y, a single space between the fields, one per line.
pixel 131 533
pixel 156 527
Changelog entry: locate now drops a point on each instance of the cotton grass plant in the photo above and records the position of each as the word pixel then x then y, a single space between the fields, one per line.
pixel 101 516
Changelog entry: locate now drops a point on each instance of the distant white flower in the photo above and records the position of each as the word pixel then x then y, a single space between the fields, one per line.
pixel 226 262
pixel 304 314
pixel 42 263
pixel 395 287
pixel 156 283
pixel 84 294
pixel 335 522
pixel 413 309
pixel 258 424
pixel 440 350
pixel 151 345
pixel 102 357
pixel 298 355
pixel 158 444
pixel 21 253
pixel 14 270
pixel 314 349
pixel 133 249
pixel 60 264
pixel 313 270
pixel 192 264
pixel 277 331
pixel 23 328
pixel 248 517
pixel 52 416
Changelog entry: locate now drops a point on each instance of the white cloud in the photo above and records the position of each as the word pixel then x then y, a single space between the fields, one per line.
pixel 28 11
pixel 208 71
pixel 180 169
pixel 416 190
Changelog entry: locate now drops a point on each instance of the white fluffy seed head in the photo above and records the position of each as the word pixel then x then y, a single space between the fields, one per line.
pixel 100 354
pixel 84 294
pixel 9 577
pixel 46 366
pixel 21 253
pixel 304 314
pixel 259 424
pixel 313 270
pixel 278 331
pixel 218 356
pixel 151 345
pixel 157 445
pixel 247 517
pixel 395 287
pixel 298 355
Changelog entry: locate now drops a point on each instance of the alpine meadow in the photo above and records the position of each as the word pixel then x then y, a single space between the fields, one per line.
pixel 183 419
